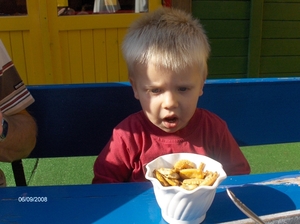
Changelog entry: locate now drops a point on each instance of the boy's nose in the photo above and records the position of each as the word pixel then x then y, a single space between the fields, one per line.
pixel 170 101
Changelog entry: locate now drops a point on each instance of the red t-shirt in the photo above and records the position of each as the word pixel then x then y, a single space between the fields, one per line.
pixel 136 141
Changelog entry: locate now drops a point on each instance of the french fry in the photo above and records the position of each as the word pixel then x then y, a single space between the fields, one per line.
pixel 201 166
pixel 193 181
pixel 184 164
pixel 210 179
pixel 191 173
pixel 160 178
pixel 168 173
pixel 173 182
pixel 186 175
pixel 189 187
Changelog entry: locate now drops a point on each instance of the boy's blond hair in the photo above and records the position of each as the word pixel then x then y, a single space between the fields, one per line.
pixel 169 38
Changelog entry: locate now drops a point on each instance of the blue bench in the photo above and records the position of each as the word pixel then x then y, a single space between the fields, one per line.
pixel 77 119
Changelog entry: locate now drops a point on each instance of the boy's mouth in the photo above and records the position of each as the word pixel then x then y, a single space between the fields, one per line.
pixel 171 119
pixel 170 122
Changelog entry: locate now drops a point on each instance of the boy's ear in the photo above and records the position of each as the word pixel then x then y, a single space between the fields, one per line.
pixel 133 84
pixel 201 88
pixel 201 92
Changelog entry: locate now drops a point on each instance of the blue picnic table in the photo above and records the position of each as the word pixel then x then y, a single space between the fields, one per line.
pixel 265 194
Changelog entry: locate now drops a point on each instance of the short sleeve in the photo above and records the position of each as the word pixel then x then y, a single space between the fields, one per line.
pixel 14 96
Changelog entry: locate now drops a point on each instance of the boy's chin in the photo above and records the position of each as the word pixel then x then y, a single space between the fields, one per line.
pixel 169 130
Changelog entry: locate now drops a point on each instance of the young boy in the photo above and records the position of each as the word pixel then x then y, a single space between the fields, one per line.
pixel 166 53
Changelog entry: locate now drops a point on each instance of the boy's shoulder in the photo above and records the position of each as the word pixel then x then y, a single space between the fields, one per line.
pixel 132 120
pixel 205 114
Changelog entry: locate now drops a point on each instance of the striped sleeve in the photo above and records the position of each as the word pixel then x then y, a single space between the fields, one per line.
pixel 14 96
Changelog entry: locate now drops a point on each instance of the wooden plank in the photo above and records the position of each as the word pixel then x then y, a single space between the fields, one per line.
pixel 14 23
pixel 280 65
pixel 280 47
pixel 227 65
pixel 226 28
pixel 238 10
pixel 87 51
pixel 65 57
pixel 100 55
pixel 228 47
pixel 5 38
pixel 59 76
pixel 38 59
pixel 227 76
pixel 18 53
pixel 122 65
pixel 282 1
pixel 255 35
pixel 281 29
pixel 30 67
pixel 37 52
pixel 112 54
pixel 282 11
pixel 45 40
pixel 279 75
pixel 75 56
pixel 96 21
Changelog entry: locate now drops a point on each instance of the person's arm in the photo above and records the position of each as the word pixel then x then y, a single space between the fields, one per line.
pixel 21 136
pixel 111 165
pixel 232 158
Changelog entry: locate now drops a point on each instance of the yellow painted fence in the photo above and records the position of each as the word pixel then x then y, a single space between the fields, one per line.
pixel 51 49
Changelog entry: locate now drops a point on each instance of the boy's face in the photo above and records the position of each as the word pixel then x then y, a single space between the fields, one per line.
pixel 169 99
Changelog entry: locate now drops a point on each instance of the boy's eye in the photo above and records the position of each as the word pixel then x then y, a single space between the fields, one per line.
pixel 155 91
pixel 182 89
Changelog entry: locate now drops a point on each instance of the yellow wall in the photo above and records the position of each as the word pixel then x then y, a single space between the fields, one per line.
pixel 51 49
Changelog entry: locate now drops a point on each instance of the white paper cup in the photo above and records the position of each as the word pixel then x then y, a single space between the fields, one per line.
pixel 180 206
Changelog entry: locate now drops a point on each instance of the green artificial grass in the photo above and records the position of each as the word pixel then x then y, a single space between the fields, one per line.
pixel 28 165
pixel 62 171
pixel 273 158
pixel 54 171
pixel 79 170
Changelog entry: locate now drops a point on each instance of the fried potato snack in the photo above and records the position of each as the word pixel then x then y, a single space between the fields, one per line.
pixel 184 164
pixel 191 173
pixel 186 175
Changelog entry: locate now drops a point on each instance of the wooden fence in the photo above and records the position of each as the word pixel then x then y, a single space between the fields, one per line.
pixel 251 38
